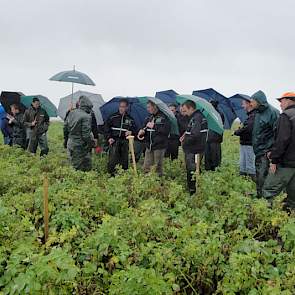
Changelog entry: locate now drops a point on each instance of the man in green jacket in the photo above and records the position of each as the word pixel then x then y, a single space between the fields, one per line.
pixel 36 120
pixel 77 129
pixel 282 154
pixel 262 136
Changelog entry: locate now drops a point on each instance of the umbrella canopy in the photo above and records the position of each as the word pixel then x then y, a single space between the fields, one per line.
pixel 223 104
pixel 9 98
pixel 46 104
pixel 66 102
pixel 163 108
pixel 236 103
pixel 209 112
pixel 137 110
pixel 73 76
pixel 167 96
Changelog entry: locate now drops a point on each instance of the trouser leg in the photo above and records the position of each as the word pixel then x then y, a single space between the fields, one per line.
pixel 190 172
pixel 174 149
pixel 290 202
pixel 282 179
pixel 33 144
pixel 243 168
pixel 262 167
pixel 43 143
pixel 80 158
pixel 114 158
pixel 208 165
pixel 158 160
pixel 148 160
pixel 124 154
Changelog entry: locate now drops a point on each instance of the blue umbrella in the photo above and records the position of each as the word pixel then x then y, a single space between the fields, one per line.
pixel 223 104
pixel 167 96
pixel 136 109
pixel 236 103
pixel 73 77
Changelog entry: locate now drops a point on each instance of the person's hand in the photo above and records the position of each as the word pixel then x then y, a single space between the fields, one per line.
pixel 128 133
pixel 268 155
pixel 34 123
pixel 9 117
pixel 150 125
pixel 95 142
pixel 273 168
pixel 111 141
pixel 140 134
pixel 10 121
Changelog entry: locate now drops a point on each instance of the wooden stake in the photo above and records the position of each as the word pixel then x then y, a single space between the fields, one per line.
pixel 131 148
pixel 198 165
pixel 45 202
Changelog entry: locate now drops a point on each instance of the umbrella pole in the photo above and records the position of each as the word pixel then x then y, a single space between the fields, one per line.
pixel 72 92
pixel 198 164
pixel 131 147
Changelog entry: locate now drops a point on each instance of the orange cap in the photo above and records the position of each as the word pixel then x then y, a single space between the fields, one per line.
pixel 289 95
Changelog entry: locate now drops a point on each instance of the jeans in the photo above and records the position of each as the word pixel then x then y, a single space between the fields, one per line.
pixel 247 160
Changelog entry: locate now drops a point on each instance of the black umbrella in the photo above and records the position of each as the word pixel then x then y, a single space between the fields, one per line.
pixel 9 98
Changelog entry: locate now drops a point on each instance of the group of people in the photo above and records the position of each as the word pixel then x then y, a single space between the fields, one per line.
pixel 154 138
pixel 267 151
pixel 27 129
pixel 267 139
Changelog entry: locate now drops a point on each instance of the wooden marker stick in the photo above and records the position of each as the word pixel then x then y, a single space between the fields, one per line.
pixel 131 147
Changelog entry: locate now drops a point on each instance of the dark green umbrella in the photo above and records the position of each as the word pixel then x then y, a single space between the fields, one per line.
pixel 73 76
pixel 46 104
pixel 206 108
pixel 163 108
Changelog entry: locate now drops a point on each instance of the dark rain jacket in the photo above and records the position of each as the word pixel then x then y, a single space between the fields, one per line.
pixel 117 125
pixel 42 120
pixel 283 150
pixel 214 137
pixel 264 125
pixel 77 126
pixel 196 134
pixel 18 130
pixel 157 138
pixel 245 132
pixel 182 122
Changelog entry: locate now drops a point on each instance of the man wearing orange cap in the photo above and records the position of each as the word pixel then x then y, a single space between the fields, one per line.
pixel 282 154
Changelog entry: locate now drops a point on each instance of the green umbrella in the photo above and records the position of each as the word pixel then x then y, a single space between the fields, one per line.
pixel 46 104
pixel 163 108
pixel 205 107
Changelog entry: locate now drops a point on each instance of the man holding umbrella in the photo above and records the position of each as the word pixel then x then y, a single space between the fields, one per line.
pixel 118 127
pixel 155 133
pixel 36 120
pixel 282 154
pixel 193 141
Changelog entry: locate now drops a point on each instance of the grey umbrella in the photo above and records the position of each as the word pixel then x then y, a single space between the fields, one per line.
pixel 73 77
pixel 66 102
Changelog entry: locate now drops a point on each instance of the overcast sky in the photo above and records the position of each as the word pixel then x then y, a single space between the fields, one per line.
pixel 136 47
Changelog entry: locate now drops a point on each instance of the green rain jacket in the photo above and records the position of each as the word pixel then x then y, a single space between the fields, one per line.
pixel 77 126
pixel 264 125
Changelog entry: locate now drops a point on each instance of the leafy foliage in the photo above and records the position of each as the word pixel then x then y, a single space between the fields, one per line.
pixel 138 235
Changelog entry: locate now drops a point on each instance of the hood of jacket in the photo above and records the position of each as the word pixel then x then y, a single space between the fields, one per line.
pixel 260 97
pixel 86 104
